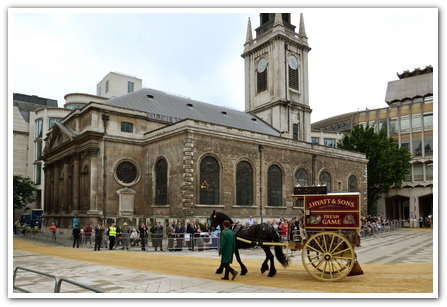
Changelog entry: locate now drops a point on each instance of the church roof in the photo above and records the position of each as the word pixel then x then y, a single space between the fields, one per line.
pixel 172 108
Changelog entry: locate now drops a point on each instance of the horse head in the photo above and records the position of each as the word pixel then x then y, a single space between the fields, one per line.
pixel 217 219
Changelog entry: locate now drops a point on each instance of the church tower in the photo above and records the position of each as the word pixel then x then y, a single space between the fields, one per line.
pixel 276 75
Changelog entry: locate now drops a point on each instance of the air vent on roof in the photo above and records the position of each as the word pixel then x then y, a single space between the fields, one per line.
pixel 224 112
pixel 189 105
pixel 253 119
pixel 150 96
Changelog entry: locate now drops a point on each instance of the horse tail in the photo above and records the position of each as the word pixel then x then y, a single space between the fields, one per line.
pixel 280 256
pixel 278 251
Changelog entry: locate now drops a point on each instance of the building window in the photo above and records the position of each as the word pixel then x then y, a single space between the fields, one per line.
pixel 428 146
pixel 405 124
pixel 416 123
pixel 261 81
pixel 126 172
pixel 418 172
pixel 295 132
pixel 417 147
pixel 353 184
pixel 244 184
pixel 428 122
pixel 75 106
pixel 107 86
pixel 98 91
pixel 408 176
pixel 315 140
pixel 329 142
pixel 130 86
pixel 274 178
pixel 52 121
pixel 405 143
pixel 429 171
pixel 38 145
pixel 209 181
pixel 382 125
pixel 126 127
pixel 302 177
pixel 394 128
pixel 325 179
pixel 161 183
pixel 37 173
pixel 39 128
pixel 293 78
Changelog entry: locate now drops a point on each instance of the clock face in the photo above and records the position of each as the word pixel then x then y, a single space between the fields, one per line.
pixel 262 65
pixel 293 62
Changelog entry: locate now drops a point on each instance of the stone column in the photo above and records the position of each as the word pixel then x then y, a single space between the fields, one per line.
pixel 65 187
pixel 55 187
pixel 94 179
pixel 76 186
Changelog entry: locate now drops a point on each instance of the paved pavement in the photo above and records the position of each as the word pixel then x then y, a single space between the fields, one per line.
pixel 403 246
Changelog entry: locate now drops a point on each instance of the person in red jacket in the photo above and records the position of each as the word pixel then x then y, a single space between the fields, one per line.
pixel 53 231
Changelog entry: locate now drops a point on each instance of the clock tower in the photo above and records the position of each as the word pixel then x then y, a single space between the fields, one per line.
pixel 276 75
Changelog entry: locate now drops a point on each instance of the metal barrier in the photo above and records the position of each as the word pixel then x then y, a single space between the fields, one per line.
pixel 57 281
pixel 185 241
pixel 374 229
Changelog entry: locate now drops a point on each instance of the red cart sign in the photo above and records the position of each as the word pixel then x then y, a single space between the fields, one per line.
pixel 341 211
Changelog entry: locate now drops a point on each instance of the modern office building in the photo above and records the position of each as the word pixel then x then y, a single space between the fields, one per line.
pixel 408 119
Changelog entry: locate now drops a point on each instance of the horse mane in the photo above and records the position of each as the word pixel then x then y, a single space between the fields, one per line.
pixel 222 217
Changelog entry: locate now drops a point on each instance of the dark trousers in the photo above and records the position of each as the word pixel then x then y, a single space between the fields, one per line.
pixel 111 242
pixel 76 241
pixel 97 243
pixel 228 269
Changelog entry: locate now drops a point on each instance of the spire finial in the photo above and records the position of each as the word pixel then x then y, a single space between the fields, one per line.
pixel 302 32
pixel 249 38
pixel 278 20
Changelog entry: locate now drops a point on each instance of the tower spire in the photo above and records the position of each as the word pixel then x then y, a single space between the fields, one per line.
pixel 302 31
pixel 249 38
pixel 278 20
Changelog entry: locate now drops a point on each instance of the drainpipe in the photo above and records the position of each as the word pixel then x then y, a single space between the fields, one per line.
pixel 261 149
pixel 314 160
pixel 105 119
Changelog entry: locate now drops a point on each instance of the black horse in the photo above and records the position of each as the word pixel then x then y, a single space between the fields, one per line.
pixel 256 235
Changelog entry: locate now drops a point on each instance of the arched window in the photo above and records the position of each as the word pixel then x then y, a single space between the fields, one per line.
pixel 244 184
pixel 209 181
pixel 353 184
pixel 161 183
pixel 301 177
pixel 274 178
pixel 325 179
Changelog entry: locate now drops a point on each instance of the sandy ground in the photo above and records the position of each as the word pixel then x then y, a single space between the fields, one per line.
pixel 378 278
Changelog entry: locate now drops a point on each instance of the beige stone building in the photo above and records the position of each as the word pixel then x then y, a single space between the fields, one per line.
pixel 408 119
pixel 151 155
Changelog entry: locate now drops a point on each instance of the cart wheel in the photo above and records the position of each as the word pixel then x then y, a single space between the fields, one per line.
pixel 328 256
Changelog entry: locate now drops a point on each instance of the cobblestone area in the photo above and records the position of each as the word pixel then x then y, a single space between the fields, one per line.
pixel 404 246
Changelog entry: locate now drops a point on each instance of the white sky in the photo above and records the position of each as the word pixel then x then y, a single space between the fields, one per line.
pixel 355 52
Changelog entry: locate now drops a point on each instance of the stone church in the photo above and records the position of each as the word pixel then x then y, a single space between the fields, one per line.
pixel 151 155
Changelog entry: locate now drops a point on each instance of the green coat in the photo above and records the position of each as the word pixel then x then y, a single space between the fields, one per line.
pixel 227 246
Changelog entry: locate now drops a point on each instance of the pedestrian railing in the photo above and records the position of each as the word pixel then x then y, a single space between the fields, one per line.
pixel 184 241
pixel 379 228
pixel 57 281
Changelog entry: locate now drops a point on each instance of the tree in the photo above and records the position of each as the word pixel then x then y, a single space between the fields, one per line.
pixel 24 189
pixel 388 164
